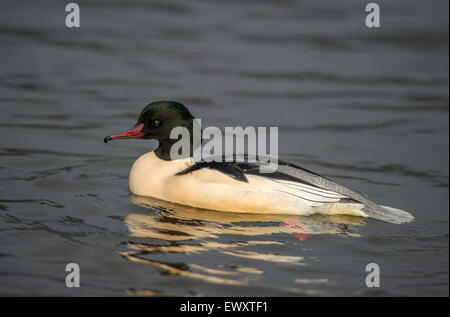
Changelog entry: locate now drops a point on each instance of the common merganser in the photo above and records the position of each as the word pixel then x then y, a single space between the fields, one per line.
pixel 235 186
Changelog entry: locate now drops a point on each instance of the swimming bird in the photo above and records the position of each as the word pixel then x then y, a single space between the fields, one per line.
pixel 235 186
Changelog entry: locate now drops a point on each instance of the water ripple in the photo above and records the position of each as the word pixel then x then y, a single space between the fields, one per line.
pixel 174 229
pixel 336 79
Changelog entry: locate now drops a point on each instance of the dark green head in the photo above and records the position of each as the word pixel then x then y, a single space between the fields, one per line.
pixel 156 121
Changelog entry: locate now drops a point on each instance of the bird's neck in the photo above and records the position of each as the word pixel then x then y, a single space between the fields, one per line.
pixel 195 138
pixel 164 148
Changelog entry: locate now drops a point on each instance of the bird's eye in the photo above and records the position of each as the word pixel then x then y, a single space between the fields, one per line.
pixel 156 123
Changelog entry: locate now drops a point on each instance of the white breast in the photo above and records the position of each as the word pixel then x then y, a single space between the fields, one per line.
pixel 150 175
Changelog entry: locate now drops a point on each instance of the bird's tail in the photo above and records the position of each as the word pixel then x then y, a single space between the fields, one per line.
pixel 389 214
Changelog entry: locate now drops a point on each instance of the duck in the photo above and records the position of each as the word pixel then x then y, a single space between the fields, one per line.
pixel 235 186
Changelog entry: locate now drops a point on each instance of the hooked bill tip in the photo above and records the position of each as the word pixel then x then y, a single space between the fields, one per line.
pixel 106 139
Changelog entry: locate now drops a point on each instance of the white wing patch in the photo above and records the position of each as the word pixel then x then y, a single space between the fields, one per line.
pixel 312 189
pixel 311 195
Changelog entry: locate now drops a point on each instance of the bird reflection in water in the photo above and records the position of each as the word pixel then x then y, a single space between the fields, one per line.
pixel 181 230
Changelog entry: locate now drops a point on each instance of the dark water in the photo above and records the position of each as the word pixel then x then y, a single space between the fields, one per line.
pixel 366 107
